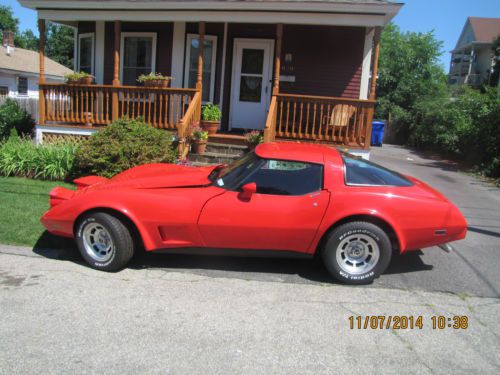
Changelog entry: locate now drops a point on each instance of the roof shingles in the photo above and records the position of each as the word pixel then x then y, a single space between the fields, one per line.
pixel 27 61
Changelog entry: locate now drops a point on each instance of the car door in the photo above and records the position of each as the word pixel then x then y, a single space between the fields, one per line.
pixel 283 214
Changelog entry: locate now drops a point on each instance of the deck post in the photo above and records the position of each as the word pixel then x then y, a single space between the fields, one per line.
pixel 201 43
pixel 277 59
pixel 373 88
pixel 116 70
pixel 41 80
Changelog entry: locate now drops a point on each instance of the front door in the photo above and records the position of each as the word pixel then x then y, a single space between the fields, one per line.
pixel 251 83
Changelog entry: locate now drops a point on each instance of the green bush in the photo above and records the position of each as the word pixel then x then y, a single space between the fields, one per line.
pixel 21 157
pixel 211 112
pixel 122 145
pixel 12 116
pixel 465 124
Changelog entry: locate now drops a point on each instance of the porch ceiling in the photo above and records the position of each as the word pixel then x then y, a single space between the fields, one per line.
pixel 314 12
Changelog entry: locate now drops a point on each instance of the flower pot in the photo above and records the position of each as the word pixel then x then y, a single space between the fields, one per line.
pixel 199 147
pixel 160 83
pixel 86 80
pixel 210 126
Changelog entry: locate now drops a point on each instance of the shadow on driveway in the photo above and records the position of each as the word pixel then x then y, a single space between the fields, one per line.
pixel 303 270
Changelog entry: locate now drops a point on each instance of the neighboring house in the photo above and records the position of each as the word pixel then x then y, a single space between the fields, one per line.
pixel 298 70
pixel 19 70
pixel 472 58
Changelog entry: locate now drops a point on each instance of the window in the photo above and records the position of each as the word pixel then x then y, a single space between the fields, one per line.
pixel 86 53
pixel 191 68
pixel 362 172
pixel 4 91
pixel 137 56
pixel 22 86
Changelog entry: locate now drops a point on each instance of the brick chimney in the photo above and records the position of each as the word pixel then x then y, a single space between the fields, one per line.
pixel 8 38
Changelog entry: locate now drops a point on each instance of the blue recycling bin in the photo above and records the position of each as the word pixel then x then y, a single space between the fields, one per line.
pixel 377 132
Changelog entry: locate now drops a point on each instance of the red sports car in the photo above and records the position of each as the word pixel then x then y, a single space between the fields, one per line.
pixel 282 199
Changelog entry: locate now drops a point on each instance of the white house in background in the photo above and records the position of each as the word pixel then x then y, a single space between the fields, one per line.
pixel 19 70
pixel 472 58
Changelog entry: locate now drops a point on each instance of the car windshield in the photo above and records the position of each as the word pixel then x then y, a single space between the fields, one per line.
pixel 230 175
pixel 362 172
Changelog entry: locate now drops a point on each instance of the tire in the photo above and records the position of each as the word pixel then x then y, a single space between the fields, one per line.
pixel 357 253
pixel 104 241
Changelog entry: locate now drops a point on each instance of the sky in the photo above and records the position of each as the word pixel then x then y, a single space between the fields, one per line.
pixel 445 17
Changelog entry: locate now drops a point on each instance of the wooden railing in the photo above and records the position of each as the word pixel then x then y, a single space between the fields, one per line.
pixel 337 120
pixel 93 104
pixel 191 116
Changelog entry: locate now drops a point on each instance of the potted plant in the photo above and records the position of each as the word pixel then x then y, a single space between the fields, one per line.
pixel 210 118
pixel 253 138
pixel 154 80
pixel 80 78
pixel 199 139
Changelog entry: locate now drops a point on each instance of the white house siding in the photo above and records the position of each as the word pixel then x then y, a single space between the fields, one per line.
pixel 10 81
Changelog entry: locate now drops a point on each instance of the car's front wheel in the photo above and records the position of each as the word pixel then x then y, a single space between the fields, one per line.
pixel 357 252
pixel 104 241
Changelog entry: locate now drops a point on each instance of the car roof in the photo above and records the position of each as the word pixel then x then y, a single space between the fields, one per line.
pixel 306 152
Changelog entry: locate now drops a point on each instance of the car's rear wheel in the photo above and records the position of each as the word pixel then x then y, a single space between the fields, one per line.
pixel 104 241
pixel 357 252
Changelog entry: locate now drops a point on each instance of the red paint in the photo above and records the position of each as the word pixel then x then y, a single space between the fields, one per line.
pixel 177 206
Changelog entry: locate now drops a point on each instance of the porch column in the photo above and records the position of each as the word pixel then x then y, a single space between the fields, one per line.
pixel 277 58
pixel 373 88
pixel 116 70
pixel 41 80
pixel 373 93
pixel 201 43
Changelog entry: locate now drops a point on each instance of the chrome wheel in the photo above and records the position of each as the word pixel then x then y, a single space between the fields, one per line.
pixel 97 242
pixel 357 254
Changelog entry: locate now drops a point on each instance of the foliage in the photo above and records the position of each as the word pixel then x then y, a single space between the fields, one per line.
pixel 23 201
pixel 198 134
pixel 409 70
pixel 22 157
pixel 122 145
pixel 25 39
pixel 59 44
pixel 12 116
pixel 465 124
pixel 75 77
pixel 254 137
pixel 153 77
pixel 211 112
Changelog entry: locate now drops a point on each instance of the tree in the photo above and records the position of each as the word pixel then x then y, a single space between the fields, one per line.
pixel 8 21
pixel 27 40
pixel 59 44
pixel 409 70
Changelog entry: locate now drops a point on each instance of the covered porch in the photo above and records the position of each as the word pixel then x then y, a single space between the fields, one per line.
pixel 306 79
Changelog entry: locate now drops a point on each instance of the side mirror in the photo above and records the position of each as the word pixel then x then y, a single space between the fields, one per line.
pixel 248 190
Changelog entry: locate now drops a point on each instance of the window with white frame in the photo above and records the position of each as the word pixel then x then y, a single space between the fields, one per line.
pixel 86 53
pixel 137 56
pixel 191 68
pixel 22 86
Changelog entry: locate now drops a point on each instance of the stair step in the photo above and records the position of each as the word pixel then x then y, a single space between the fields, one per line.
pixel 212 158
pixel 228 149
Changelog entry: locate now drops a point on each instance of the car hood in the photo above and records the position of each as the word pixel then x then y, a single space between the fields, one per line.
pixel 156 176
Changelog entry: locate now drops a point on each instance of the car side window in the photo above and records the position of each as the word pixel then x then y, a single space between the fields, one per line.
pixel 363 172
pixel 280 177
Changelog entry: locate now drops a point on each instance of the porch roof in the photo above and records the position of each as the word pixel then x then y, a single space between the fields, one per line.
pixel 314 12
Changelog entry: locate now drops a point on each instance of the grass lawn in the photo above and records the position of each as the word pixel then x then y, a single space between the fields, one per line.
pixel 22 202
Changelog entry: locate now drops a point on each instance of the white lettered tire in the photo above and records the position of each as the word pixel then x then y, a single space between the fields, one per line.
pixel 357 252
pixel 104 241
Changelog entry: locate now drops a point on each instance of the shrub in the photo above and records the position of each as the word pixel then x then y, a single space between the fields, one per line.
pixel 12 116
pixel 21 157
pixel 122 145
pixel 198 134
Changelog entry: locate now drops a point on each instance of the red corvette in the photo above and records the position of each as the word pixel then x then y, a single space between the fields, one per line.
pixel 281 199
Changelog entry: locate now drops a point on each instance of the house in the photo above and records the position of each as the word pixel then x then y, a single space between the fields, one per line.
pixel 472 58
pixel 19 70
pixel 297 70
